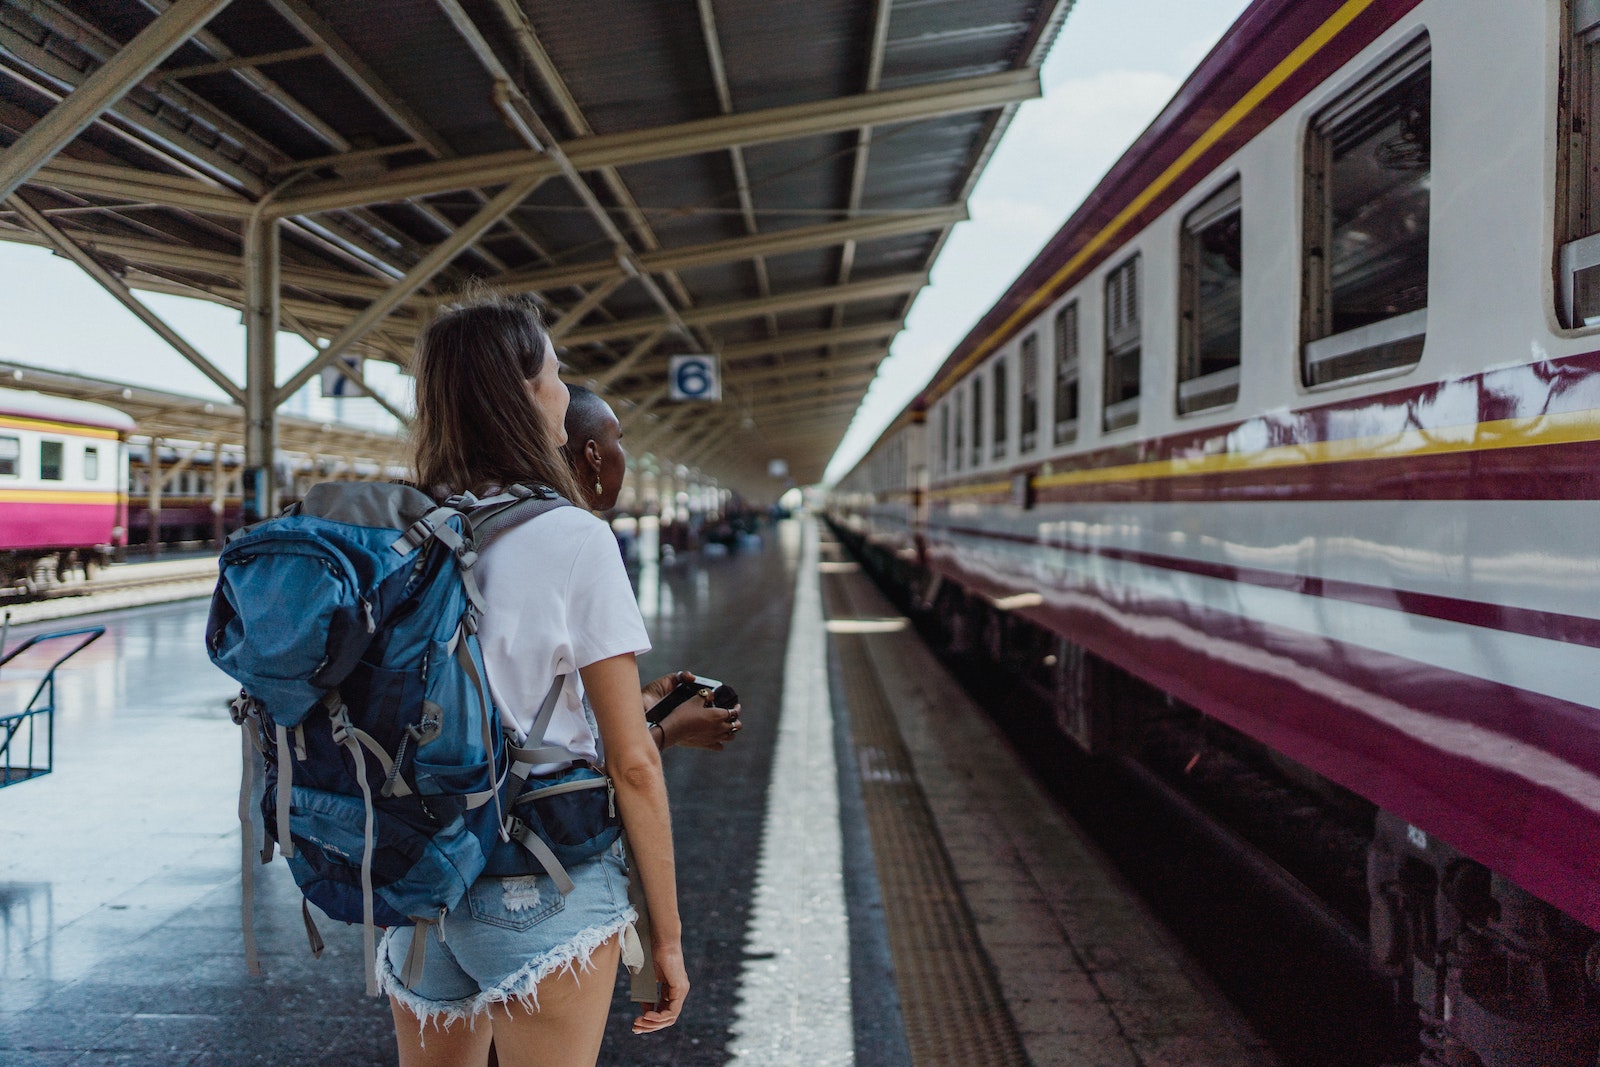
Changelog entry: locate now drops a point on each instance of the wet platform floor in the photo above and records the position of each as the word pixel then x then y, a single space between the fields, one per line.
pixel 119 881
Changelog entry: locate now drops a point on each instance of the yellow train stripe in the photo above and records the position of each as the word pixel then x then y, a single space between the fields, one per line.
pixel 1574 427
pixel 18 422
pixel 1232 117
pixel 57 496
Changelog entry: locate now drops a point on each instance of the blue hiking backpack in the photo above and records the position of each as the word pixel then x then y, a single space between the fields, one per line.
pixel 350 620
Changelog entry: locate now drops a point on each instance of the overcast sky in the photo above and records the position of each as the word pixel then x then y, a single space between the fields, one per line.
pixel 1114 65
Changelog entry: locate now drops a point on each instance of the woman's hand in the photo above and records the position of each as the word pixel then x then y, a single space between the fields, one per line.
pixel 674 988
pixel 694 723
pixel 652 694
pixel 702 725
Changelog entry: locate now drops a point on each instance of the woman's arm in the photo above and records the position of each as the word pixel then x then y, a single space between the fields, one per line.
pixel 635 769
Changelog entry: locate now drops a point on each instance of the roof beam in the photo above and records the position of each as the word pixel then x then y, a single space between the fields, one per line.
pixel 418 276
pixel 797 239
pixel 222 66
pixel 799 342
pixel 101 89
pixel 139 186
pixel 110 283
pixel 893 285
pixel 698 136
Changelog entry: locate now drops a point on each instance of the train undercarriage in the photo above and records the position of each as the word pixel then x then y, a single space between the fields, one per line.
pixel 1482 973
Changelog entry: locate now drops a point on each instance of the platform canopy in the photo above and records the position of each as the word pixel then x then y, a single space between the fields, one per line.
pixel 768 181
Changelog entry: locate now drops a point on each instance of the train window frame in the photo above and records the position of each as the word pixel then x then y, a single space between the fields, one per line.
pixel 1577 193
pixel 1391 345
pixel 1068 373
pixel 10 456
pixel 999 411
pixel 976 408
pixel 958 419
pixel 1200 389
pixel 52 471
pixel 944 436
pixel 1124 344
pixel 1028 393
pixel 91 463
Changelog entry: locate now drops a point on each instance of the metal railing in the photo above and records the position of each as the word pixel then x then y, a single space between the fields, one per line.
pixel 23 755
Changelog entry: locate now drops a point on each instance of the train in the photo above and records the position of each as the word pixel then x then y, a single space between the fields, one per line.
pixel 63 486
pixel 1284 454
pixel 75 491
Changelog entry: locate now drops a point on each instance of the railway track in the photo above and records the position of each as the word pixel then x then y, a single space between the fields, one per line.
pixel 123 585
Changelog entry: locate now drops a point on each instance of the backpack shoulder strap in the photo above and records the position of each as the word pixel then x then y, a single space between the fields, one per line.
pixel 490 518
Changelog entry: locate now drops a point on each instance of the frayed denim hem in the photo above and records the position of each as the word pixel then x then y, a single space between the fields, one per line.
pixel 521 985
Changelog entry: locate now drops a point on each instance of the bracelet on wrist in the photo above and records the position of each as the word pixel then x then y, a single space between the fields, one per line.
pixel 663 729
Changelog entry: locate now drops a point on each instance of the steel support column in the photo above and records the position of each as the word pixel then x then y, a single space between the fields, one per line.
pixel 102 89
pixel 261 259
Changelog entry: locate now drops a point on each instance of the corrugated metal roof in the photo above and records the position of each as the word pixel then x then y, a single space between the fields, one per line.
pixel 762 161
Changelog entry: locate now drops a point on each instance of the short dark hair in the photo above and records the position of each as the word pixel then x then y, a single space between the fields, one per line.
pixel 585 411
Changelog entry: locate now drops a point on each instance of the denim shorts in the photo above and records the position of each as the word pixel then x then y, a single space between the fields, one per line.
pixel 505 936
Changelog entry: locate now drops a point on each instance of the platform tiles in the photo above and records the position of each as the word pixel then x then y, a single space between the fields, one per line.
pixel 1014 940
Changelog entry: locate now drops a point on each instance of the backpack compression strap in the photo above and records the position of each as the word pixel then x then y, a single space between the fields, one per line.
pixel 524 759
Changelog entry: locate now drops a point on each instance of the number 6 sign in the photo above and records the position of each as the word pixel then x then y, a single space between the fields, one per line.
pixel 694 378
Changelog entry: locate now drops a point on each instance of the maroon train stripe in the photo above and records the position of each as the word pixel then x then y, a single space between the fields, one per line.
pixel 1549 625
pixel 1566 471
pixel 1294 692
pixel 1261 39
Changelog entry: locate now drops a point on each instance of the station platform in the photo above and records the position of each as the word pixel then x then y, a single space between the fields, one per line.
pixel 868 876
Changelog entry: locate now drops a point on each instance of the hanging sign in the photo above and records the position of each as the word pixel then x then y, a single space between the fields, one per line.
pixel 694 378
pixel 336 384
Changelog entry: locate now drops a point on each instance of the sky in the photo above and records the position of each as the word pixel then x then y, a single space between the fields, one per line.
pixel 1114 65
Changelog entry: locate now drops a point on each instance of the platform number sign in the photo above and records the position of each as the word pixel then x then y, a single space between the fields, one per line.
pixel 694 378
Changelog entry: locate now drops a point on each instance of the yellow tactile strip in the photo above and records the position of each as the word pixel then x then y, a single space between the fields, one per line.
pixel 950 1000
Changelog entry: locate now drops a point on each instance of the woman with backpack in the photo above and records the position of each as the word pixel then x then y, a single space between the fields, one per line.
pixel 518 962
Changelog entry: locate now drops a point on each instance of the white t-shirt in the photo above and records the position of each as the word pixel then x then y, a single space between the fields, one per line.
pixel 556 598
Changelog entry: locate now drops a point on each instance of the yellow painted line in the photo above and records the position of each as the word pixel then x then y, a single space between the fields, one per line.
pixel 57 496
pixel 17 422
pixel 1575 427
pixel 976 490
pixel 1232 117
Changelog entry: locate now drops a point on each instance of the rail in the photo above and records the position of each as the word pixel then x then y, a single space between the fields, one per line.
pixel 40 709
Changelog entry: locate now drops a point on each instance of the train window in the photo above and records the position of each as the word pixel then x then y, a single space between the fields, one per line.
pixel 1209 306
pixel 1578 185
pixel 977 420
pixel 1002 395
pixel 50 455
pixel 10 456
pixel 1028 430
pixel 1122 345
pixel 1368 159
pixel 1066 413
pixel 91 463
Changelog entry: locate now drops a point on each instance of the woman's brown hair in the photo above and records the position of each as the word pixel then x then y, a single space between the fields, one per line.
pixel 476 429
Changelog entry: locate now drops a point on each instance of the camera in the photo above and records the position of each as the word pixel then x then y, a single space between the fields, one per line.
pixel 722 696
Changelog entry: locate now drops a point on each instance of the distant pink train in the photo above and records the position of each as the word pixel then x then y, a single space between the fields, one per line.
pixel 63 485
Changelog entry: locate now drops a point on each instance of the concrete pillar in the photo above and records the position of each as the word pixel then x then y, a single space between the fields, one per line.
pixel 261 247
